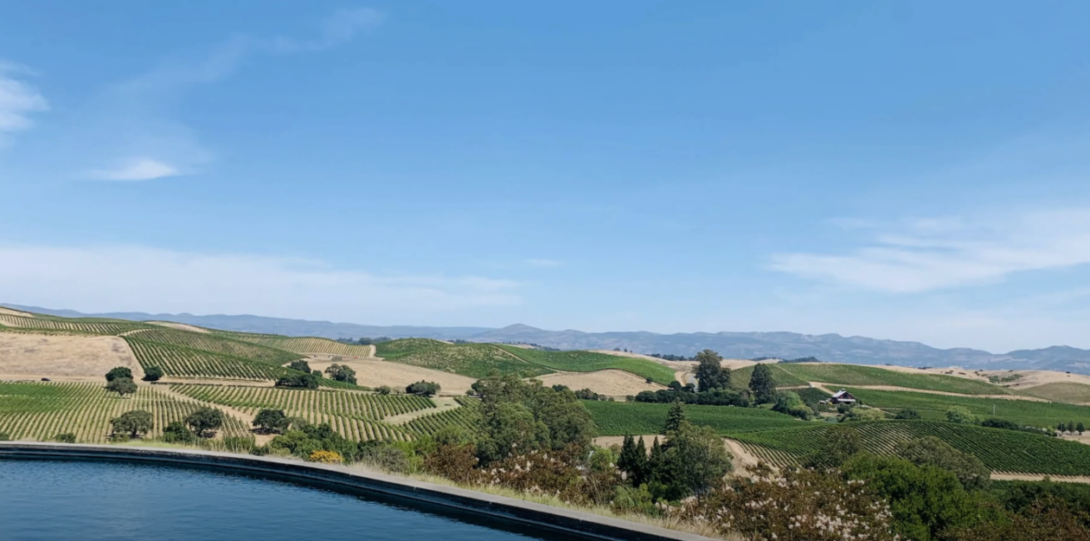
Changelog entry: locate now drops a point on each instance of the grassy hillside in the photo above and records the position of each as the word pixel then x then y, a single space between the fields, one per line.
pixel 589 361
pixel 1000 450
pixel 74 326
pixel 739 378
pixel 929 406
pixel 40 411
pixel 620 418
pixel 794 374
pixel 1072 393
pixel 182 362
pixel 219 344
pixel 473 360
pixel 303 344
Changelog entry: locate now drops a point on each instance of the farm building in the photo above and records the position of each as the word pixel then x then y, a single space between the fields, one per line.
pixel 842 397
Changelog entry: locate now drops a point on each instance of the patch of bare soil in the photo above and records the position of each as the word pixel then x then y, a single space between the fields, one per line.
pixel 179 326
pixel 61 357
pixel 742 459
pixel 607 382
pixel 375 373
pixel 1003 476
pixel 216 381
pixel 10 312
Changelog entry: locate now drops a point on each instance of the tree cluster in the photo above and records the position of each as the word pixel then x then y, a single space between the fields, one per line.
pixel 299 381
pixel 423 388
pixel 691 460
pixel 340 372
pixel 519 416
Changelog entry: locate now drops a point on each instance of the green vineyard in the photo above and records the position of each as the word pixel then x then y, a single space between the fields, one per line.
pixel 83 326
pixel 796 374
pixel 40 411
pixel 354 415
pixel 355 404
pixel 1000 450
pixel 216 344
pixel 182 362
pixel 933 407
pixel 473 360
pixel 302 345
pixel 463 417
pixel 589 361
pixel 620 418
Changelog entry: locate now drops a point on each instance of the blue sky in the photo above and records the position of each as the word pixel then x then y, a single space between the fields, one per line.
pixel 914 171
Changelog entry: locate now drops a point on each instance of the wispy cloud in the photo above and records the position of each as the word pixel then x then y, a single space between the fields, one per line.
pixel 154 280
pixel 18 100
pixel 136 169
pixel 930 254
pixel 137 116
pixel 547 263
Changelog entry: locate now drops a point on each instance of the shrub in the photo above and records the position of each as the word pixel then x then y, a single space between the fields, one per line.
pixel 387 458
pixel 960 414
pixel 634 500
pixel 120 372
pixel 177 432
pixel 67 437
pixel 384 390
pixel 455 462
pixel 907 414
pixel 424 388
pixel 801 505
pixel 864 414
pixel 205 421
pixel 153 373
pixel 300 365
pixel 326 457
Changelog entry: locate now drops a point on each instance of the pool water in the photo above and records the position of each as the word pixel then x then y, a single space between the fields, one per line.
pixel 92 501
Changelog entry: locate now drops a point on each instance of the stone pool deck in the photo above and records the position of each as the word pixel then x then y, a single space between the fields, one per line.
pixel 550 519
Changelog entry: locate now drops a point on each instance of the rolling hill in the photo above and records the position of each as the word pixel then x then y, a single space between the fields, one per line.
pixel 743 345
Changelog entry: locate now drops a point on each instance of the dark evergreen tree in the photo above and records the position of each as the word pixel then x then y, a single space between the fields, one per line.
pixel 762 385
pixel 642 466
pixel 674 418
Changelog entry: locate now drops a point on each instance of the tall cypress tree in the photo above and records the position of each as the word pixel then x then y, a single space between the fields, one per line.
pixel 627 461
pixel 642 464
pixel 674 418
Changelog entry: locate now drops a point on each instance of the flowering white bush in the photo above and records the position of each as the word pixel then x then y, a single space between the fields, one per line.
pixel 797 505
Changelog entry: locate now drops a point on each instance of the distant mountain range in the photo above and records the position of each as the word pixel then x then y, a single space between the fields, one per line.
pixel 742 345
